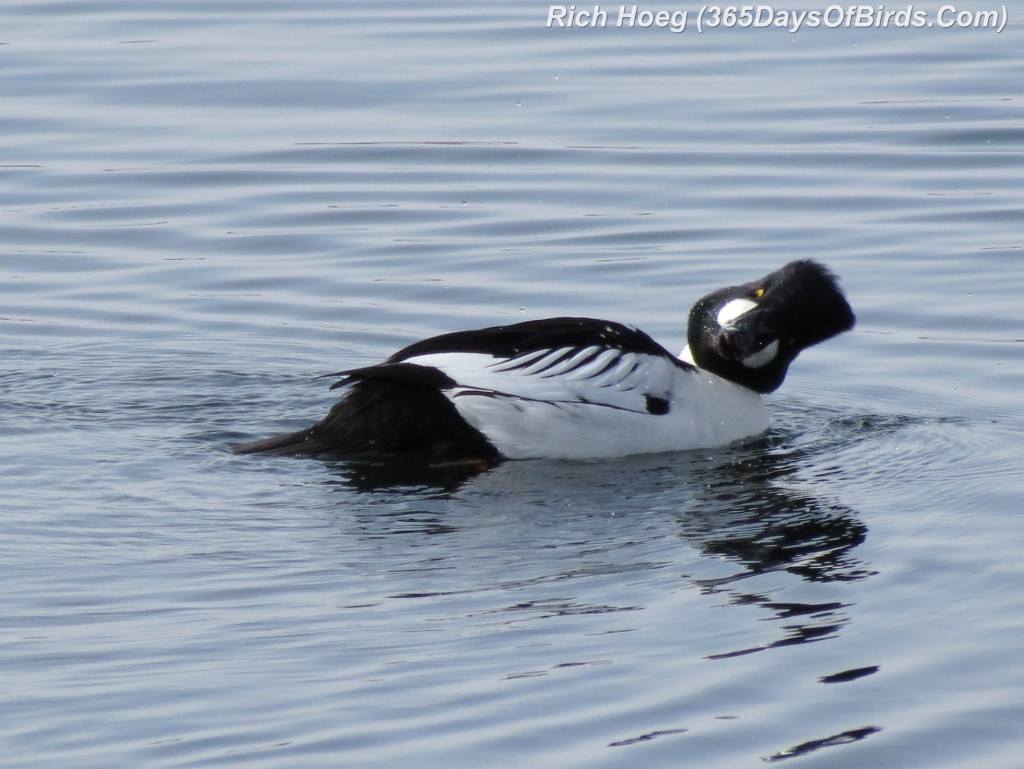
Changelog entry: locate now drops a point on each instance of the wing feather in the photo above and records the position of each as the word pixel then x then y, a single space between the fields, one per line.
pixel 517 339
pixel 593 377
pixel 569 360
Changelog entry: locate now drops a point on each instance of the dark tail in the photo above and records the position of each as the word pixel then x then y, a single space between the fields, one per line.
pixel 383 416
pixel 304 443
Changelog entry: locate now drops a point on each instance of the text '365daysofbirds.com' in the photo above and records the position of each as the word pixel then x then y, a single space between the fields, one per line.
pixel 763 16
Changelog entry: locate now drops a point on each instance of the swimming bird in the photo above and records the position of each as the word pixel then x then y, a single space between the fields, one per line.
pixel 580 388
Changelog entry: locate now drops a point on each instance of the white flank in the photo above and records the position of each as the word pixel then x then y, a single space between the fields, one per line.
pixel 594 403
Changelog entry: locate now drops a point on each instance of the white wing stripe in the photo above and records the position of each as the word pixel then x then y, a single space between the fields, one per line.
pixel 574 364
pixel 550 358
pixel 591 375
pixel 559 362
pixel 506 364
pixel 622 369
pixel 596 364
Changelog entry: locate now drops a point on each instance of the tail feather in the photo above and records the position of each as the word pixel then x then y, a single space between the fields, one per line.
pixel 382 416
pixel 303 443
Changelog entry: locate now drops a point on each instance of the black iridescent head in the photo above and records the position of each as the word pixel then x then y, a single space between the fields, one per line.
pixel 750 334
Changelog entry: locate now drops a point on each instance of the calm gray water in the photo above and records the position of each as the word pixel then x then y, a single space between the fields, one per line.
pixel 206 205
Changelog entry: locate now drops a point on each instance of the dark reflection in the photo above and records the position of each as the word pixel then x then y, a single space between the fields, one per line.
pixel 646 737
pixel 751 507
pixel 758 517
pixel 527 537
pixel 753 513
pixel 561 607
pixel 406 473
pixel 849 675
pixel 843 738
pixel 824 622
pixel 744 504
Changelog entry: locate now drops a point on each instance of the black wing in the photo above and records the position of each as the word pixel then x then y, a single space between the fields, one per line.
pixel 535 335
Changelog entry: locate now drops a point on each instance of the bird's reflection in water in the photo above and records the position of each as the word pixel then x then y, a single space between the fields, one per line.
pixel 407 473
pixel 754 515
pixel 744 506
pixel 764 515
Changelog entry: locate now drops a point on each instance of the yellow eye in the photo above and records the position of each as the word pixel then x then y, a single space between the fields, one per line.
pixel 759 293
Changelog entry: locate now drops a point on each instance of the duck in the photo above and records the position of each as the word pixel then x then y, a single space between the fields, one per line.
pixel 582 388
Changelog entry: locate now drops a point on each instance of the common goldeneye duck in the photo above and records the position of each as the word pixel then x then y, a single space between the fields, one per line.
pixel 583 388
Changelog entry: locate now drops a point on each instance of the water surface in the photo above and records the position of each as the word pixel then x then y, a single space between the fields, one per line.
pixel 205 206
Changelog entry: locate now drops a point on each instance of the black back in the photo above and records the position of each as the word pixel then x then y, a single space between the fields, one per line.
pixel 529 336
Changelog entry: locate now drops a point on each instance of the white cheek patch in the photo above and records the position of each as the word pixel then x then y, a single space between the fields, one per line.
pixel 762 357
pixel 732 310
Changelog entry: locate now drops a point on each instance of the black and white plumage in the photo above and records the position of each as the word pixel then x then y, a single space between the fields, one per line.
pixel 578 387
